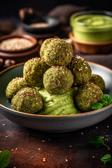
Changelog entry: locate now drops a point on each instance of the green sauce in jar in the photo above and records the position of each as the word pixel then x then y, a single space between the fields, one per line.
pixel 92 27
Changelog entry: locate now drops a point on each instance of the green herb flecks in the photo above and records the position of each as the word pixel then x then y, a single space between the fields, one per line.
pixel 5 157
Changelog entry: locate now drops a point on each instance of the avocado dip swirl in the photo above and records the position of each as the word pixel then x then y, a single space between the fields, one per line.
pixel 58 104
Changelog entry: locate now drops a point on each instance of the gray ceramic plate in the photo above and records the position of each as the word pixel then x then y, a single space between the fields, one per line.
pixel 48 123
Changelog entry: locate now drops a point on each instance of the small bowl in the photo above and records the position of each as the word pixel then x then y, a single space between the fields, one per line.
pixel 87 48
pixel 92 32
pixel 19 55
pixel 53 123
pixel 52 24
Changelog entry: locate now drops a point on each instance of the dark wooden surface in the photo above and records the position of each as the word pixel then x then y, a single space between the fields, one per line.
pixel 33 149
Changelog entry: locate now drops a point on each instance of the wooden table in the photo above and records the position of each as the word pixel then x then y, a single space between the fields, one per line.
pixel 33 149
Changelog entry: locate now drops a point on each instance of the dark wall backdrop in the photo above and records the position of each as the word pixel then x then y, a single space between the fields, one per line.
pixel 10 7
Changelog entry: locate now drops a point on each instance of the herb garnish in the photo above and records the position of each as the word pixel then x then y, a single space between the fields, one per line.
pixel 5 157
pixel 99 141
pixel 106 159
pixel 102 141
pixel 106 100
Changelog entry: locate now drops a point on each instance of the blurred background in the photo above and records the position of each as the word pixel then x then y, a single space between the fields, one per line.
pixel 15 22
pixel 10 8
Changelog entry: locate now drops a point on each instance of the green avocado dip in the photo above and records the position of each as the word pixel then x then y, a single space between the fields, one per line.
pixel 92 27
pixel 58 104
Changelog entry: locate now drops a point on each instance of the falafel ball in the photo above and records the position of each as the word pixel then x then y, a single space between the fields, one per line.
pixel 56 51
pixel 81 70
pixel 98 80
pixel 58 80
pixel 33 71
pixel 14 86
pixel 87 95
pixel 27 100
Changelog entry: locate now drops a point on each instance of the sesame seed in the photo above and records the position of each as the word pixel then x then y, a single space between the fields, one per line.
pixel 39 149
pixel 96 127
pixel 82 133
pixel 43 141
pixel 44 159
pixel 3 124
pixel 6 136
pixel 108 126
pixel 93 157
pixel 66 160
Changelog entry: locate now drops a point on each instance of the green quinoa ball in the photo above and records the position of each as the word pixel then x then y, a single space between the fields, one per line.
pixel 27 100
pixel 33 71
pixel 56 51
pixel 15 85
pixel 81 70
pixel 58 80
pixel 98 80
pixel 87 95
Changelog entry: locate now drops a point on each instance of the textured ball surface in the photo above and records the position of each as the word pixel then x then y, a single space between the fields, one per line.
pixel 56 51
pixel 81 70
pixel 87 95
pixel 33 71
pixel 27 100
pixel 98 80
pixel 15 85
pixel 58 80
